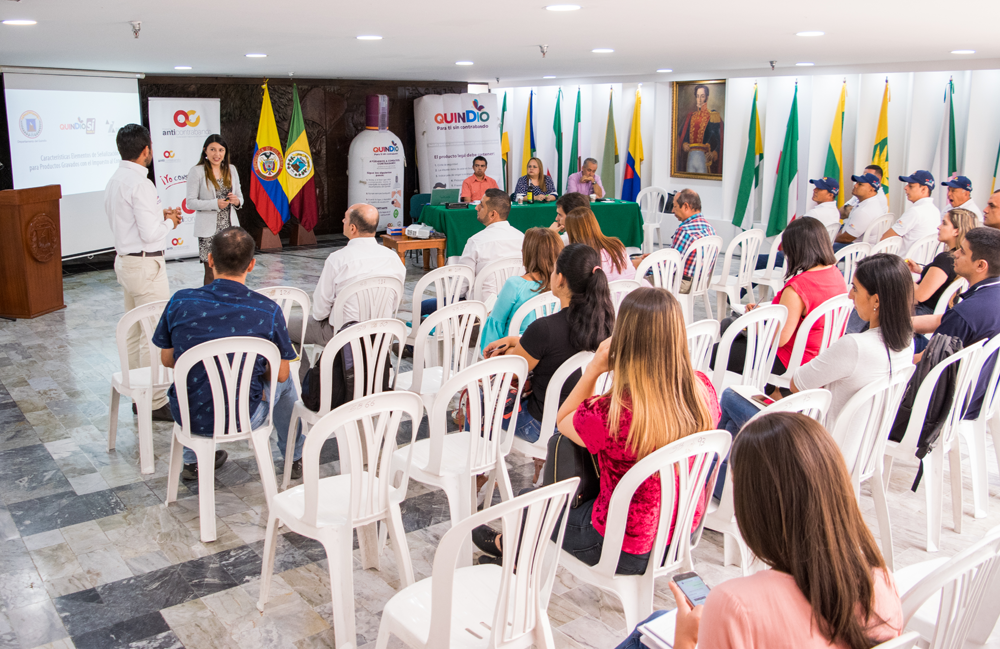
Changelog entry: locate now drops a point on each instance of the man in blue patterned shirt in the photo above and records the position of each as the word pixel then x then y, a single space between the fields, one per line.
pixel 687 209
pixel 226 307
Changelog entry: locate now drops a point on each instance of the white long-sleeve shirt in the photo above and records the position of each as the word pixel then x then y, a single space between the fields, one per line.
pixel 360 259
pixel 134 212
pixel 497 241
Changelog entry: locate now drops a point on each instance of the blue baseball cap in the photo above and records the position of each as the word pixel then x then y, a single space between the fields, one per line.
pixel 920 177
pixel 829 184
pixel 870 179
pixel 959 182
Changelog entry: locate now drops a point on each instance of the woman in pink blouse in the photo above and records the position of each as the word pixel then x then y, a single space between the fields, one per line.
pixel 582 227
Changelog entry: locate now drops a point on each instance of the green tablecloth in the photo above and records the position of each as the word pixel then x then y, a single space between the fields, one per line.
pixel 620 219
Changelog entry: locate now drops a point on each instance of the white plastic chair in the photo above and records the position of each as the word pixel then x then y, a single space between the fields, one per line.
pixel 487 606
pixel 499 272
pixel 878 227
pixel 770 277
pixel 371 345
pixel 705 251
pixel 139 383
pixel 973 431
pixel 652 204
pixel 925 249
pixel 951 603
pixel 763 329
pixel 686 478
pixel 933 462
pixel 958 286
pixel 376 297
pixel 454 325
pixel 833 230
pixel 848 258
pixel 543 304
pixel 288 297
pixel 863 447
pixel 701 336
pixel 329 509
pixel 728 287
pixel 449 282
pixel 905 641
pixel 619 289
pixel 235 357
pixel 834 313
pixel 667 267
pixel 891 246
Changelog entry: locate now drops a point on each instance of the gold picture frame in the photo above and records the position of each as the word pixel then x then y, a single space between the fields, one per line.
pixel 704 123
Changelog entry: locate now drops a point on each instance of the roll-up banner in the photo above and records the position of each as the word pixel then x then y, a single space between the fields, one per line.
pixel 178 128
pixel 451 131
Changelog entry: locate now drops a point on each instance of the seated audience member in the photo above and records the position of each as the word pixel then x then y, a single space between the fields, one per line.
pixel 224 308
pixel 825 211
pixel 586 319
pixel 586 181
pixel 937 276
pixel 537 182
pixel 976 316
pixel 654 399
pixel 882 290
pixel 960 196
pixel 867 189
pixel 476 185
pixel 693 226
pixel 582 227
pixel 811 278
pixel 498 241
pixel 363 257
pixel 827 584
pixel 539 252
pixel 883 199
pixel 564 205
pixel 921 218
pixel 991 215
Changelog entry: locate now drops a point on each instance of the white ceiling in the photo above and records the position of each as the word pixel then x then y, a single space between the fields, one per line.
pixel 424 39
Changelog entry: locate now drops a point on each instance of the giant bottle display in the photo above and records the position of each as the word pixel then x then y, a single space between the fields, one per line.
pixel 375 165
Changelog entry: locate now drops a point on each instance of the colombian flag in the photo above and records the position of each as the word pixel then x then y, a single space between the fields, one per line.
pixel 299 184
pixel 267 182
pixel 528 152
pixel 633 159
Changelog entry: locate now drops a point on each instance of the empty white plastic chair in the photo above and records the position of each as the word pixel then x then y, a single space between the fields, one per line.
pixel 728 287
pixel 958 286
pixel 288 297
pixel 653 206
pixel 701 336
pixel 834 314
pixel 329 509
pixel 925 249
pixel 489 282
pixel 973 431
pixel 763 329
pixel 619 289
pixel 770 277
pixel 139 383
pixel 449 283
pixel 878 227
pixel 487 606
pixel 376 297
pixel 686 478
pixel 543 304
pixel 667 268
pixel 891 246
pixel 705 251
pixel 847 259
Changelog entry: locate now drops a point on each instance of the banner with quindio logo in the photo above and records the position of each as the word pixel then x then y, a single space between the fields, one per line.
pixel 451 131
pixel 178 128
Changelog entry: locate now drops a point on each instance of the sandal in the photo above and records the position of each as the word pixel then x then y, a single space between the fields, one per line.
pixel 487 539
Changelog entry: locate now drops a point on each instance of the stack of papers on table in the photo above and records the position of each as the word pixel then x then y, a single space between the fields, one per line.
pixel 659 634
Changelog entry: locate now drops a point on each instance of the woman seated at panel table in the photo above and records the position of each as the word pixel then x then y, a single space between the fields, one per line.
pixel 582 227
pixel 537 182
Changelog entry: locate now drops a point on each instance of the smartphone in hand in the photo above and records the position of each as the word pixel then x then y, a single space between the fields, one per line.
pixel 693 587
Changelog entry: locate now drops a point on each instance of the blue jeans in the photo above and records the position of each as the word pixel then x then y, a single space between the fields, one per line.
pixel 585 543
pixel 634 641
pixel 284 400
pixel 528 428
pixel 779 260
pixel 736 411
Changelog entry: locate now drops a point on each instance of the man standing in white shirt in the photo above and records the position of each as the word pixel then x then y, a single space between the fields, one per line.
pixel 363 257
pixel 825 197
pixel 960 196
pixel 867 189
pixel 883 200
pixel 140 230
pixel 499 240
pixel 922 217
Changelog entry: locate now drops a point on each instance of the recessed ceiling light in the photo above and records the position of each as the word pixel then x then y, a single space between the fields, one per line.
pixel 563 7
pixel 963 51
pixel 551 76
pixel 182 67
pixel 807 34
pixel 256 56
pixel 804 64
pixel 20 22
pixel 602 50
pixel 463 62
pixel 664 70
pixel 370 38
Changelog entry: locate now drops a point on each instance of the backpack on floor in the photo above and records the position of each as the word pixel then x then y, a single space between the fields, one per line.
pixel 343 378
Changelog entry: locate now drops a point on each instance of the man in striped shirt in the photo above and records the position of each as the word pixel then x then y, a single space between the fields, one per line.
pixel 687 209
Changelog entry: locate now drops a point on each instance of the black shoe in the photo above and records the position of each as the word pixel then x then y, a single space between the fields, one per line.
pixel 297 470
pixel 135 409
pixel 163 414
pixel 486 559
pixel 190 471
pixel 484 537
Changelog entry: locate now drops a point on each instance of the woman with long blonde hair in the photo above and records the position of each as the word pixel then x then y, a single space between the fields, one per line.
pixel 937 276
pixel 537 182
pixel 582 227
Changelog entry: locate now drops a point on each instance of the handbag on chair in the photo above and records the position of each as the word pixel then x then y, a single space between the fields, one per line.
pixel 564 460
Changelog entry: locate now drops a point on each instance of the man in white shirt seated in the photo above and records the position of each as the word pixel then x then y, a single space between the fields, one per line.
pixel 960 196
pixel 825 197
pixel 883 199
pixel 922 217
pixel 363 257
pixel 867 189
pixel 991 215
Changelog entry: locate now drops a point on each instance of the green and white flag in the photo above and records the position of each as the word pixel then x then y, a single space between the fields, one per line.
pixel 574 147
pixel 786 187
pixel 557 129
pixel 750 180
pixel 946 160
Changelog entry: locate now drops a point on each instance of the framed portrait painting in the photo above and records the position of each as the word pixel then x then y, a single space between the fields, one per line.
pixel 699 116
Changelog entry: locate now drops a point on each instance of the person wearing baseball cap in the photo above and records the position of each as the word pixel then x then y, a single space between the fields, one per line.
pixel 867 188
pixel 960 195
pixel 825 197
pixel 883 200
pixel 921 217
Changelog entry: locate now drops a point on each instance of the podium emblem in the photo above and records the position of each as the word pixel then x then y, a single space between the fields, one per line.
pixel 42 238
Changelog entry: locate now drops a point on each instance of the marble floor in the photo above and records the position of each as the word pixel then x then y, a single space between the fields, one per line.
pixel 91 557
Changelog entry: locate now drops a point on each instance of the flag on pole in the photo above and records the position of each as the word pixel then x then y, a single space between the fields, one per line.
pixel 528 150
pixel 632 184
pixel 610 157
pixel 880 152
pixel 785 189
pixel 834 154
pixel 574 147
pixel 267 189
pixel 946 160
pixel 557 129
pixel 504 140
pixel 299 184
pixel 996 167
pixel 750 180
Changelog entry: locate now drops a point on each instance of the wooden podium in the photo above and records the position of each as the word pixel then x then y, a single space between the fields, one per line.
pixel 30 252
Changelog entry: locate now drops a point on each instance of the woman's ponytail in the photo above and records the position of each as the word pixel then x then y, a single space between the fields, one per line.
pixel 590 314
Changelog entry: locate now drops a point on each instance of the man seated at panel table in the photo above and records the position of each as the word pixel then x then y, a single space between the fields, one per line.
pixel 867 189
pixel 921 217
pixel 225 308
pixel 476 185
pixel 960 196
pixel 564 205
pixel 586 181
pixel 362 258
pixel 693 226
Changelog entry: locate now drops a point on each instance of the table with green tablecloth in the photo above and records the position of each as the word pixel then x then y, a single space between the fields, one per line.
pixel 620 219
